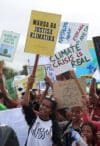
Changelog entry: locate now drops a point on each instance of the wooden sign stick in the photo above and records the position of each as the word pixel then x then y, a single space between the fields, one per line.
pixel 35 66
pixel 1 67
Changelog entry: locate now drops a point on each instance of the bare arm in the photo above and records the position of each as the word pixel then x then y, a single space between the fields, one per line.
pixel 48 85
pixel 92 91
pixel 10 103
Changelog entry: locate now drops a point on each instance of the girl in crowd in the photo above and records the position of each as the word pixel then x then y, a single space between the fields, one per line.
pixel 88 132
pixel 43 127
pixel 74 126
pixel 87 136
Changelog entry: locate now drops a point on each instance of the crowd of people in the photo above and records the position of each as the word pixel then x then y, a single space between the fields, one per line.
pixel 49 125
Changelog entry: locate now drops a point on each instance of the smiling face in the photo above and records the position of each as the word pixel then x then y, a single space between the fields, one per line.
pixel 76 114
pixel 87 133
pixel 45 109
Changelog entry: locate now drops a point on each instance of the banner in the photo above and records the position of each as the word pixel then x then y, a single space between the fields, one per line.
pixel 42 33
pixel 8 45
pixel 67 93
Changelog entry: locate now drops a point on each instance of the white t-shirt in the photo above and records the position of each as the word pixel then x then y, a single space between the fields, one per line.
pixel 40 134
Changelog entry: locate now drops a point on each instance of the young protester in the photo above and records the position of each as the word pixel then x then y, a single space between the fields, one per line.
pixel 87 136
pixel 64 117
pixel 94 100
pixel 88 132
pixel 86 118
pixel 43 126
pixel 74 126
pixel 94 95
pixel 77 120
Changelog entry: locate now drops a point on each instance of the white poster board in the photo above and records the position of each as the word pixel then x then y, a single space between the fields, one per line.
pixel 76 54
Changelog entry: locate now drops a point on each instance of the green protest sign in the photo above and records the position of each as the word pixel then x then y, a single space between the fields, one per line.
pixel 11 89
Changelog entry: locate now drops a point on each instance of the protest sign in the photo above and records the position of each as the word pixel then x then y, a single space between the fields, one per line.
pixel 50 72
pixel 96 41
pixel 67 58
pixel 42 33
pixel 90 44
pixel 10 88
pixel 67 93
pixel 40 72
pixel 70 32
pixel 20 85
pixel 89 67
pixel 8 45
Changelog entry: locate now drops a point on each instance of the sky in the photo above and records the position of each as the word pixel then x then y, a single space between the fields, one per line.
pixel 15 16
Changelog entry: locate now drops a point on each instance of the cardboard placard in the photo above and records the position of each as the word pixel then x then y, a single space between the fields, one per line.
pixel 67 93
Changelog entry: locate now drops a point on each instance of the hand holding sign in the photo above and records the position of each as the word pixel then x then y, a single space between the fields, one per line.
pixel 1 67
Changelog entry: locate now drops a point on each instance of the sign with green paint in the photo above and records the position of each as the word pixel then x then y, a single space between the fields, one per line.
pixel 40 72
pixel 11 89
pixel 8 44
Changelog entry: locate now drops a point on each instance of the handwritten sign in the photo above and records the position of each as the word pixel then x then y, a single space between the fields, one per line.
pixel 68 58
pixel 67 93
pixel 8 44
pixel 71 32
pixel 76 54
pixel 42 33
